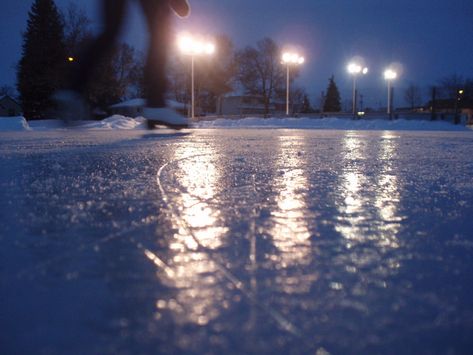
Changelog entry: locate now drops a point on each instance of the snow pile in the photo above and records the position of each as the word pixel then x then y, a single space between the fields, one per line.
pixel 13 124
pixel 117 122
pixel 333 123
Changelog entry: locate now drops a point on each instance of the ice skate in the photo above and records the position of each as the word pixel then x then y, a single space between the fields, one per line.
pixel 164 116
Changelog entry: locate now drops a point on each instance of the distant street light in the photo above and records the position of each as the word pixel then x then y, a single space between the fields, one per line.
pixel 193 47
pixel 290 59
pixel 355 69
pixel 389 76
pixel 458 99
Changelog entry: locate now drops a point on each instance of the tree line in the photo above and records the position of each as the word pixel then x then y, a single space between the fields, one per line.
pixel 54 41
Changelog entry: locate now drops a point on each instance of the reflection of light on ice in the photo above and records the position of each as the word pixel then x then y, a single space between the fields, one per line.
pixel 362 217
pixel 199 176
pixel 388 196
pixel 290 231
pixel 199 289
pixel 351 210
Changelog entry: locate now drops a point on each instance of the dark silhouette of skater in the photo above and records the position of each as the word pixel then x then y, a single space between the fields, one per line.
pixel 157 14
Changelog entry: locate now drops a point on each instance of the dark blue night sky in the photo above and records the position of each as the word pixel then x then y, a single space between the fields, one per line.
pixel 431 39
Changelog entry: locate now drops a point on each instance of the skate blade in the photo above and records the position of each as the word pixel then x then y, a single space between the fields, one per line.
pixel 151 124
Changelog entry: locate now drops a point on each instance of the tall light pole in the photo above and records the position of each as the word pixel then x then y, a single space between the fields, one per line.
pixel 193 47
pixel 389 76
pixel 355 69
pixel 290 59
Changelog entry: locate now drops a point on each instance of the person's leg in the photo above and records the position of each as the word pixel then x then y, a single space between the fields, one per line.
pixel 157 14
pixel 113 12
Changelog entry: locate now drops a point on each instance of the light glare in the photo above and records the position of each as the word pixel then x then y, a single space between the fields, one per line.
pixel 390 74
pixel 292 58
pixel 354 68
pixel 191 46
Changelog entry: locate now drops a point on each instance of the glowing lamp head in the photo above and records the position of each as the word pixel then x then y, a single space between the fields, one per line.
pixel 292 58
pixel 286 57
pixel 354 69
pixel 70 59
pixel 390 74
pixel 185 44
pixel 190 46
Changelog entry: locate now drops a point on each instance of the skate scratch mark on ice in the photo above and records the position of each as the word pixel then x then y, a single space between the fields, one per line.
pixel 278 317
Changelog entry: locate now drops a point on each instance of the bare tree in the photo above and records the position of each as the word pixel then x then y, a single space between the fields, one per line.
pixel 450 85
pixel 413 96
pixel 215 76
pixel 261 72
pixel 76 29
pixel 299 100
pixel 179 78
pixel 117 78
pixel 128 67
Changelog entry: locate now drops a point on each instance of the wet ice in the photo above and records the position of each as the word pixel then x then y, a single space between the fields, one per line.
pixel 237 241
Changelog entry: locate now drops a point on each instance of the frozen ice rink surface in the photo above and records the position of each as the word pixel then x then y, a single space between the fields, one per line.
pixel 236 241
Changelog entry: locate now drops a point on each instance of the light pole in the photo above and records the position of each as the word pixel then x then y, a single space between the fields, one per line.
pixel 355 69
pixel 389 76
pixel 290 59
pixel 193 47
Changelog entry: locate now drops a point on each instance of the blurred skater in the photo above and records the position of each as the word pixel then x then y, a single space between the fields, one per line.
pixel 157 14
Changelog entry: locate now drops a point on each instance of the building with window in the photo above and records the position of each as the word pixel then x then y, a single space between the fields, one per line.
pixel 9 107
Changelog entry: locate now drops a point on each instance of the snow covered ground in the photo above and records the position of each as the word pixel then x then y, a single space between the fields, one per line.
pixel 235 241
pixel 121 122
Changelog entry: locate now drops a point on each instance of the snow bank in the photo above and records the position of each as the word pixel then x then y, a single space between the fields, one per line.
pixel 333 123
pixel 13 124
pixel 117 122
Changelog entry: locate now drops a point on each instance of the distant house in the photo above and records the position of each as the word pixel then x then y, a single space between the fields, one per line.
pixel 9 107
pixel 243 105
pixel 134 107
pixel 468 112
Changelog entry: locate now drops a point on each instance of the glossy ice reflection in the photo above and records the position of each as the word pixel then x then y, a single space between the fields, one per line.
pixel 259 241
pixel 199 294
pixel 369 198
pixel 290 230
pixel 388 195
pixel 199 177
pixel 352 217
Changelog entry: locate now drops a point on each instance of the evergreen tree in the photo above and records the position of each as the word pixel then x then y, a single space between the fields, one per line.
pixel 306 106
pixel 332 99
pixel 40 70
